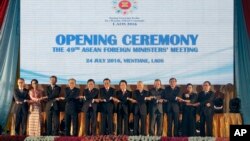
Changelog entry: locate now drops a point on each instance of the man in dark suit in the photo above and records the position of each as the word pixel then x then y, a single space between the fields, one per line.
pixel 173 96
pixel 205 101
pixel 107 98
pixel 90 99
pixel 71 112
pixel 156 108
pixel 141 97
pixel 52 111
pixel 21 97
pixel 123 108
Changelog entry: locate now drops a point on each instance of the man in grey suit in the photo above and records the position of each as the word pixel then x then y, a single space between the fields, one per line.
pixel 155 108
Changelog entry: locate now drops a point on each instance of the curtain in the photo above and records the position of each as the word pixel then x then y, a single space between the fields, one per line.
pixel 242 55
pixel 246 9
pixel 3 7
pixel 9 50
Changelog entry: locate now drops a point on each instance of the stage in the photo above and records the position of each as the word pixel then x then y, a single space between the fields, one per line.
pixel 109 138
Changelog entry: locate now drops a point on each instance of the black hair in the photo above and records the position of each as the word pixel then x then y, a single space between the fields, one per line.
pixel 53 76
pixel 34 80
pixel 91 80
pixel 207 82
pixel 123 81
pixel 172 78
pixel 20 79
pixel 189 84
pixel 106 79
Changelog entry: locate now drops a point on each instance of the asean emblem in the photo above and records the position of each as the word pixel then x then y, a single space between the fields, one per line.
pixel 124 6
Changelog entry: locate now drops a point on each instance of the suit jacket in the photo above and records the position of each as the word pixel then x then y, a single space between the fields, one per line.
pixel 20 97
pixel 141 105
pixel 124 104
pixel 170 95
pixel 107 107
pixel 71 100
pixel 90 95
pixel 52 94
pixel 205 98
pixel 153 105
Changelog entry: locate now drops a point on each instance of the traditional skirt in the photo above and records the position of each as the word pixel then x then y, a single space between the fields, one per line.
pixel 34 121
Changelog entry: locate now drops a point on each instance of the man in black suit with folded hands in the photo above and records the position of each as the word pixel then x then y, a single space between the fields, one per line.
pixel 107 99
pixel 123 108
pixel 21 97
pixel 91 100
pixel 205 102
pixel 52 110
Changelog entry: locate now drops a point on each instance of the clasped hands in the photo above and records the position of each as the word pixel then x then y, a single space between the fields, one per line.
pixel 179 99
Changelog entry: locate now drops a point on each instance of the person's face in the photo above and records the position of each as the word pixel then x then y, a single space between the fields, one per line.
pixel 20 83
pixel 172 83
pixel 123 86
pixel 140 86
pixel 72 83
pixel 189 88
pixel 91 85
pixel 206 87
pixel 34 84
pixel 157 84
pixel 52 81
pixel 106 83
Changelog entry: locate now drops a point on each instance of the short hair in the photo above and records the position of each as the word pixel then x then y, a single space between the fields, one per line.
pixel 172 78
pixel 91 80
pixel 21 79
pixel 139 82
pixel 106 79
pixel 123 81
pixel 189 84
pixel 72 80
pixel 157 80
pixel 34 80
pixel 208 82
pixel 53 76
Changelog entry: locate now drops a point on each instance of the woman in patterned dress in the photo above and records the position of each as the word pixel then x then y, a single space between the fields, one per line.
pixel 35 109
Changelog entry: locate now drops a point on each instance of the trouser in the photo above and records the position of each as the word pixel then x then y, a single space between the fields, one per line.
pixel 122 116
pixel 21 120
pixel 141 117
pixel 206 118
pixel 156 117
pixel 68 118
pixel 107 120
pixel 173 115
pixel 52 117
pixel 90 122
